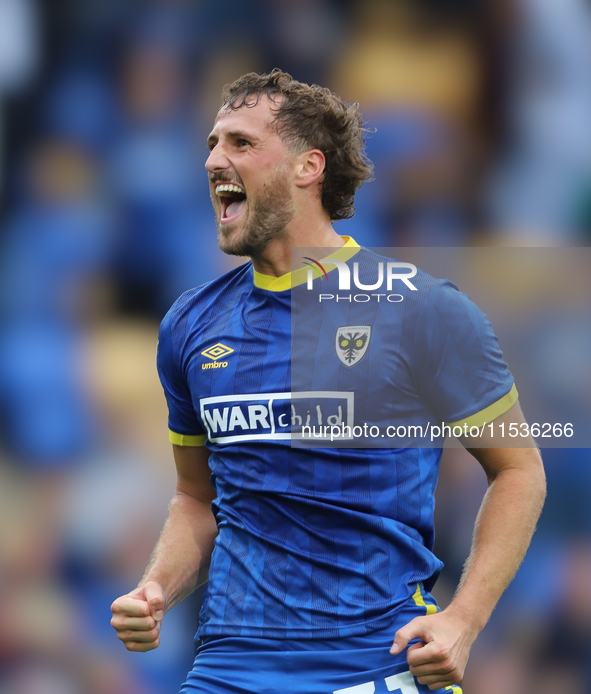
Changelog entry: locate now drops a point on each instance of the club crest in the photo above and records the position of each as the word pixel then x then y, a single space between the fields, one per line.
pixel 351 343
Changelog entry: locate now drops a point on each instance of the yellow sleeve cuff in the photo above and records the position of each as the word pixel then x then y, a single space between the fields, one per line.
pixel 185 440
pixel 490 413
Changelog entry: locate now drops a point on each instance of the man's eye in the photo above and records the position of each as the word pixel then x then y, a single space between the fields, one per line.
pixel 243 143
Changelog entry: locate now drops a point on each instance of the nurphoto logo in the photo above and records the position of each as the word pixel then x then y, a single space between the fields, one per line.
pixel 390 273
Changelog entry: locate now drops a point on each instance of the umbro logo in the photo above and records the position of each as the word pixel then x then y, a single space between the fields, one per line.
pixel 214 353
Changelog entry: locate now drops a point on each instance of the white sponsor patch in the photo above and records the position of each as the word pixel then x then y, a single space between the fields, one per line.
pixel 274 416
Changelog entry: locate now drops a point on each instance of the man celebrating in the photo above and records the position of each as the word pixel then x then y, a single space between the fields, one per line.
pixel 319 557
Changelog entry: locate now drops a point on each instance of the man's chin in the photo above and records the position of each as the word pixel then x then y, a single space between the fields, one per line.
pixel 232 242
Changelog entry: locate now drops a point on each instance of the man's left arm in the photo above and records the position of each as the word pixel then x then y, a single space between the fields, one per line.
pixel 502 533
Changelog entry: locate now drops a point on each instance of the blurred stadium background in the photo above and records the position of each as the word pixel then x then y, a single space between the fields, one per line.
pixel 481 114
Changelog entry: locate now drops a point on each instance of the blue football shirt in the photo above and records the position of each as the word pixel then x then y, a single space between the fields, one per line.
pixel 318 540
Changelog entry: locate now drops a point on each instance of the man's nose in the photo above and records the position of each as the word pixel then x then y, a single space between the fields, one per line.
pixel 217 160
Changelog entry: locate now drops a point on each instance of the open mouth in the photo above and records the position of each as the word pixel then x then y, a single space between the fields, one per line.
pixel 232 198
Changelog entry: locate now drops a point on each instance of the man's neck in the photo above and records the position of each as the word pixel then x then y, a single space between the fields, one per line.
pixel 315 240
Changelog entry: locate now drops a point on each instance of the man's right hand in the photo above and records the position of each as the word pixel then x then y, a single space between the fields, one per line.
pixel 137 617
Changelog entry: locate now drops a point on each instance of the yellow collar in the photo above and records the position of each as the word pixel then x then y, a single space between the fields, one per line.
pixel 300 276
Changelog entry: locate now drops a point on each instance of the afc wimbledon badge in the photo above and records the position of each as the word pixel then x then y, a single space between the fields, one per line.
pixel 352 342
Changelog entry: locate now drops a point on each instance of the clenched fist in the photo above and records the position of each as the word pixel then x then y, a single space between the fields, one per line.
pixel 137 617
pixel 440 660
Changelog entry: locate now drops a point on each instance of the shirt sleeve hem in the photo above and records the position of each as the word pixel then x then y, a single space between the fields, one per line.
pixel 186 440
pixel 490 413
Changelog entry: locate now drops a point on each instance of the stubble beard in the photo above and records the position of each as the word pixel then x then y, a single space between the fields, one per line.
pixel 268 215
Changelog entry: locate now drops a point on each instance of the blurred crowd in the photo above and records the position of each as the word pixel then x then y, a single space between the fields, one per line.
pixel 478 125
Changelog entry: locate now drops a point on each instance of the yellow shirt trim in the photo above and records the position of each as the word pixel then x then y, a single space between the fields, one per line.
pixel 420 601
pixel 184 440
pixel 300 276
pixel 490 413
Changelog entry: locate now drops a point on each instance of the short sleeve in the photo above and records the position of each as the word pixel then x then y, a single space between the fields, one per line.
pixel 183 425
pixel 460 370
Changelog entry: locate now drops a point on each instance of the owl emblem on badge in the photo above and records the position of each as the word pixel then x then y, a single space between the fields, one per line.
pixel 351 343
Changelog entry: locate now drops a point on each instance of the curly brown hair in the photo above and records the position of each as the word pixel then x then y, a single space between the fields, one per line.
pixel 312 117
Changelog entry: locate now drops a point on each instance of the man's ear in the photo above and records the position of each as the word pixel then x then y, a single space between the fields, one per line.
pixel 309 168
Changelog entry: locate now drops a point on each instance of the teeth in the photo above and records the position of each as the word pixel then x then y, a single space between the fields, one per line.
pixel 228 188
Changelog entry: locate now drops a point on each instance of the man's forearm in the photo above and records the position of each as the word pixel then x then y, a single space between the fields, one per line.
pixel 180 560
pixel 503 530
